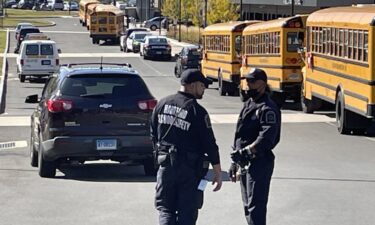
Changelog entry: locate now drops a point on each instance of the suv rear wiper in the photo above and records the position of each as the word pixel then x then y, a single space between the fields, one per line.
pixel 93 95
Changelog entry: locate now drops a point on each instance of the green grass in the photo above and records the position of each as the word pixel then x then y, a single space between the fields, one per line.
pixel 12 22
pixel 2 48
pixel 31 13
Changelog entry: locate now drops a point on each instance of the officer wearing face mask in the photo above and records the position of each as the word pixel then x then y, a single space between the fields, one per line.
pixel 257 133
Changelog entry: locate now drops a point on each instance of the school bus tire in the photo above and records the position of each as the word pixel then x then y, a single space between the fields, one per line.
pixel 341 114
pixel 222 85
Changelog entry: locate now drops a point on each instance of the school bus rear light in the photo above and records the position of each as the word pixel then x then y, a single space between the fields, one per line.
pixel 291 60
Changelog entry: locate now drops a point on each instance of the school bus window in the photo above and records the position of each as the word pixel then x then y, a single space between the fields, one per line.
pixel 93 20
pixel 111 20
pixel 293 42
pixel 238 44
pixel 360 45
pixel 102 20
pixel 365 46
pixel 355 44
pixel 350 44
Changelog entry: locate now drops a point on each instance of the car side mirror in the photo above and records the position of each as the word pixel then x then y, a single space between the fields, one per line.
pixel 59 51
pixel 32 99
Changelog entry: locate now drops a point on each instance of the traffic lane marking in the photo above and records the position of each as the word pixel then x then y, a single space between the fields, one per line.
pixel 15 121
pixel 12 145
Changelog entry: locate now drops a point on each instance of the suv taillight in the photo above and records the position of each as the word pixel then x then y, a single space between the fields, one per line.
pixel 59 105
pixel 147 105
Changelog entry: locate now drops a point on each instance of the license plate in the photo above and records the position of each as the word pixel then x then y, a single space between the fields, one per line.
pixel 106 144
pixel 158 53
pixel 46 62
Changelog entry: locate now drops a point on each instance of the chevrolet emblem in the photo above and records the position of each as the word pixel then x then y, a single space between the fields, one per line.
pixel 105 105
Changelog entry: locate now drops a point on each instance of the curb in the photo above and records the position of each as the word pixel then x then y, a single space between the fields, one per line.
pixel 4 76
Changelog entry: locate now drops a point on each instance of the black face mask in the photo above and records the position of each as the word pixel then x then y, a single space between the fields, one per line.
pixel 252 93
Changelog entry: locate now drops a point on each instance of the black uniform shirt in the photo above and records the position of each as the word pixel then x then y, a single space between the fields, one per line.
pixel 259 123
pixel 191 131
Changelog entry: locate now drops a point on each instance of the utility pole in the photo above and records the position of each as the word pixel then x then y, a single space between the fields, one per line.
pixel 205 13
pixel 241 11
pixel 293 7
pixel 180 21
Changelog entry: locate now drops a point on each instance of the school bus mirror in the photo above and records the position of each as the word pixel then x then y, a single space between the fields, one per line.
pixel 301 50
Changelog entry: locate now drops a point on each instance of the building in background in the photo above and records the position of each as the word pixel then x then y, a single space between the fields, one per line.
pixel 272 9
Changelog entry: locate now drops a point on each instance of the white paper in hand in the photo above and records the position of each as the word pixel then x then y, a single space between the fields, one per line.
pixel 202 184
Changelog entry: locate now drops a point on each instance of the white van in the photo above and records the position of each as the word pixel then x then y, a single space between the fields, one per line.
pixel 37 58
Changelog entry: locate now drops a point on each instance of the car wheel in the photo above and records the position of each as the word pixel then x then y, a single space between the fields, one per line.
pixel 149 167
pixel 22 78
pixel 46 168
pixel 33 153
pixel 153 27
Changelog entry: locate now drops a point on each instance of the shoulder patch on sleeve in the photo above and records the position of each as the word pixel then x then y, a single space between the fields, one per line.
pixel 270 117
pixel 207 121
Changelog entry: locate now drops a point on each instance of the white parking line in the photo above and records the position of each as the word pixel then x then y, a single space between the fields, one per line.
pixel 371 139
pixel 13 144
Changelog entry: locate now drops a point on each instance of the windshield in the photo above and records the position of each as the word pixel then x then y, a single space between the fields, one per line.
pixel 139 37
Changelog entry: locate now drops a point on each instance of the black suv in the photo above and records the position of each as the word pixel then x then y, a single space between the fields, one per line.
pixel 89 112
pixel 188 58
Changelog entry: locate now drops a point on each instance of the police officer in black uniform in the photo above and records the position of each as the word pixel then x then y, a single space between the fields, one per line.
pixel 257 133
pixel 183 138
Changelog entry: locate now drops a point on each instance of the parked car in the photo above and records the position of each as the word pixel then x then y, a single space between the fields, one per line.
pixel 19 26
pixel 25 4
pixel 153 23
pixel 22 34
pixel 189 58
pixel 156 47
pixel 71 6
pixel 134 41
pixel 37 58
pixel 10 3
pixel 56 4
pixel 126 34
pixel 89 112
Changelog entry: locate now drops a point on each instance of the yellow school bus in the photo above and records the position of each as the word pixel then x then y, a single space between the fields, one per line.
pixel 273 46
pixel 222 54
pixel 340 65
pixel 83 4
pixel 106 22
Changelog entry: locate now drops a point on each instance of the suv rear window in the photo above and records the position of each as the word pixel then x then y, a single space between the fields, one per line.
pixel 110 86
pixel 23 32
pixel 32 49
pixel 158 41
pixel 194 53
pixel 46 49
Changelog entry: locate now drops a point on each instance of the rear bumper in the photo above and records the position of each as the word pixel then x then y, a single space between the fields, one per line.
pixel 128 148
pixel 159 53
pixel 37 72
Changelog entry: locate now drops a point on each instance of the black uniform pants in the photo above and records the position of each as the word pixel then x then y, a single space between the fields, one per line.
pixel 255 185
pixel 177 196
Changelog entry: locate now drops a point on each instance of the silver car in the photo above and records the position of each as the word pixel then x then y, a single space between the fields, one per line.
pixel 153 23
